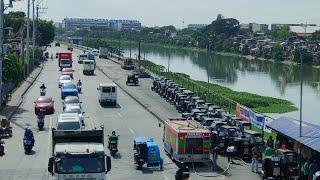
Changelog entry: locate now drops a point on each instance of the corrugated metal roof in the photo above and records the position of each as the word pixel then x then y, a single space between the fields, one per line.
pixel 290 127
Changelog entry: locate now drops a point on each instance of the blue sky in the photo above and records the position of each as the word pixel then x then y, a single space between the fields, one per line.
pixel 173 12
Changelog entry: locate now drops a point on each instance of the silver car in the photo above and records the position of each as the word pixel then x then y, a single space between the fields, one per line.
pixel 75 109
pixel 71 100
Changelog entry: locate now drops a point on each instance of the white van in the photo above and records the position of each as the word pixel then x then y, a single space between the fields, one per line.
pixel 88 66
pixel 107 93
pixel 95 52
pixel 69 121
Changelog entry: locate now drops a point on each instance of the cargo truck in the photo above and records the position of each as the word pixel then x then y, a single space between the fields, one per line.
pixel 78 154
pixel 103 52
pixel 65 60
pixel 186 140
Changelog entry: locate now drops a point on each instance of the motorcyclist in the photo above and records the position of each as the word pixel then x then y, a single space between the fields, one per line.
pixel 28 135
pixel 52 56
pixel 113 137
pixel 183 172
pixel 43 87
pixel 79 83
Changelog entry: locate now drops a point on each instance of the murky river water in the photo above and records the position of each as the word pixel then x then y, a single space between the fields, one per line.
pixel 259 77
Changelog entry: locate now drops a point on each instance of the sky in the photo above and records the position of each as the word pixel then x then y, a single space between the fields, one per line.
pixel 175 12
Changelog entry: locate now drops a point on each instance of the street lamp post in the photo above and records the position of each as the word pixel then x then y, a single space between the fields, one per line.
pixel 28 40
pixel 33 34
pixel 208 59
pixel 301 91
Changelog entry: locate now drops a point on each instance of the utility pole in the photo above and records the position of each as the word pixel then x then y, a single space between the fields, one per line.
pixel 208 58
pixel 301 91
pixel 169 62
pixel 1 44
pixel 139 58
pixel 27 41
pixel 33 34
pixel 130 41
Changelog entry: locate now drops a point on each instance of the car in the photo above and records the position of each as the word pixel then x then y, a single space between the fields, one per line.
pixel 64 79
pixel 44 104
pixel 68 89
pixel 71 100
pixel 82 57
pixel 69 122
pixel 75 109
pixel 67 71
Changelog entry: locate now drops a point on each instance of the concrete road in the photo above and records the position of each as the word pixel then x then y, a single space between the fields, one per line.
pixel 129 119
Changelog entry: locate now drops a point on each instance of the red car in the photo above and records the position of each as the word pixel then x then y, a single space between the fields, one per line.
pixel 67 71
pixel 44 104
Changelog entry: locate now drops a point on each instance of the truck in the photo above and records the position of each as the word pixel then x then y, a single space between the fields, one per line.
pixel 78 154
pixel 186 140
pixel 88 66
pixel 65 60
pixel 103 52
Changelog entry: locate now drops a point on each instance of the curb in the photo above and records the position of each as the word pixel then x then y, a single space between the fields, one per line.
pixel 133 97
pixel 23 94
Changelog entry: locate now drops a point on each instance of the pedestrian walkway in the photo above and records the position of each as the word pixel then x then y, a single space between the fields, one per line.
pixel 17 96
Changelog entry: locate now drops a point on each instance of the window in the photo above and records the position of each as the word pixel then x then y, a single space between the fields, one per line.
pixel 65 61
pixel 194 146
pixel 68 126
pixel 80 165
pixel 113 89
pixel 106 89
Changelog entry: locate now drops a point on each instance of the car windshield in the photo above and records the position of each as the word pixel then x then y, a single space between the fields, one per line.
pixel 70 165
pixel 44 100
pixel 71 100
pixel 65 78
pixel 73 110
pixel 65 61
pixel 70 86
pixel 68 126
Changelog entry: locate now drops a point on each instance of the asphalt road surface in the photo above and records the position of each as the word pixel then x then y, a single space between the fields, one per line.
pixel 128 118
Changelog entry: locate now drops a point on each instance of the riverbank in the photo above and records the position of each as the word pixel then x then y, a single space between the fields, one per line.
pixel 223 96
pixel 105 41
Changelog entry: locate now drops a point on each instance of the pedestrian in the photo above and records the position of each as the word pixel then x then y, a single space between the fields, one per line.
pixel 306 169
pixel 183 172
pixel 270 142
pixel 231 150
pixel 313 168
pixel 254 158
pixel 214 153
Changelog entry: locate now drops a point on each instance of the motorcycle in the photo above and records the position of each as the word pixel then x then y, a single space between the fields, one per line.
pixel 79 88
pixel 113 147
pixel 1 148
pixel 28 144
pixel 40 122
pixel 42 92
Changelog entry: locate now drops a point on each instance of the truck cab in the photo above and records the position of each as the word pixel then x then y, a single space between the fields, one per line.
pixel 78 154
pixel 65 60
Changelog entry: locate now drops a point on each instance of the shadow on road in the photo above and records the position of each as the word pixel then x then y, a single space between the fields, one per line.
pixel 117 106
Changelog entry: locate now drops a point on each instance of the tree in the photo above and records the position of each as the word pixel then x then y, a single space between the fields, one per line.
pixel 45 32
pixel 15 20
pixel 316 35
pixel 277 52
pixel 304 54
pixel 12 69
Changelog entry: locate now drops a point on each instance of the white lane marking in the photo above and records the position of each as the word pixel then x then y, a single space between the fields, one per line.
pixel 132 131
pixel 119 114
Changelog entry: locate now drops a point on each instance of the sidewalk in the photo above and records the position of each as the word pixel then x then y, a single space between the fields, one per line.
pixel 18 94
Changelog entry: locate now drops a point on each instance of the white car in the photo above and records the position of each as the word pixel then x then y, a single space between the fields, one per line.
pixel 71 100
pixel 64 79
pixel 72 108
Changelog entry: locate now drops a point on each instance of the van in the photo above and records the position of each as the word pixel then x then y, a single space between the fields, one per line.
pixel 88 67
pixel 69 122
pixel 107 93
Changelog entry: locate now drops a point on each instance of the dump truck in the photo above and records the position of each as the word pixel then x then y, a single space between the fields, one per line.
pixel 103 52
pixel 78 154
pixel 186 140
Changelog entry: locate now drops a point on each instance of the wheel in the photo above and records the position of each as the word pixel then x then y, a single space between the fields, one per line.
pixel 161 166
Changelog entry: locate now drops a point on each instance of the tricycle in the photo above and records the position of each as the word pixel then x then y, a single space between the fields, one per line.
pixel 146 152
pixel 132 79
pixel 5 128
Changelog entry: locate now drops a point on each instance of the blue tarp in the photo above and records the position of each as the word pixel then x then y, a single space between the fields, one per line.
pixel 291 127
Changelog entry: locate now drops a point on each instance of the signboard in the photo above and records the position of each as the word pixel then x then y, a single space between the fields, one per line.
pixel 246 114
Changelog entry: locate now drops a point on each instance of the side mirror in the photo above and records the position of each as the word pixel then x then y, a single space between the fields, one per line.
pixel 108 164
pixel 50 165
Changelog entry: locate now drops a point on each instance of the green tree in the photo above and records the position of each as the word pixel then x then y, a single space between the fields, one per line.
pixel 306 56
pixel 277 52
pixel 12 69
pixel 316 35
pixel 45 32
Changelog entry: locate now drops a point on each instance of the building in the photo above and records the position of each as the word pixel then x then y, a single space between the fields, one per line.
pixel 196 26
pixel 254 27
pixel 244 26
pixel 105 23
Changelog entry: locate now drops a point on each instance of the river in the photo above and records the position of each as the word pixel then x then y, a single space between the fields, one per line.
pixel 258 77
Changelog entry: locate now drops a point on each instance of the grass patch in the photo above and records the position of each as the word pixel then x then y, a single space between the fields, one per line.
pixel 223 96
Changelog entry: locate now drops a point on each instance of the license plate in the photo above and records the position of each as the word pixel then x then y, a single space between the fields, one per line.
pixel 42 110
pixel 276 171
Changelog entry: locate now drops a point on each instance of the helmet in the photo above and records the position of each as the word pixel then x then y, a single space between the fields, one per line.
pixel 113 133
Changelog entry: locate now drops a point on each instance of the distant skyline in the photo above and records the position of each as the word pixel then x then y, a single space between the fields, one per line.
pixel 174 12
